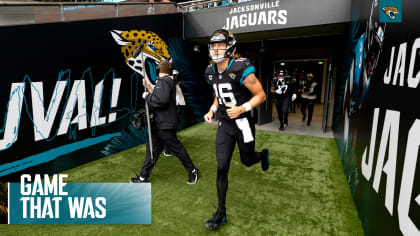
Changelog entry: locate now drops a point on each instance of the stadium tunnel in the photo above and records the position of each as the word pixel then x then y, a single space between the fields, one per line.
pixel 324 37
pixel 306 42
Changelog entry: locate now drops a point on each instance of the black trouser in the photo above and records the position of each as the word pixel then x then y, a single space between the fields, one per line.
pixel 228 134
pixel 293 106
pixel 310 104
pixel 282 106
pixel 161 138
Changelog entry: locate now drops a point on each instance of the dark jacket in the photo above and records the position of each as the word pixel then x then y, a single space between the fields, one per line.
pixel 163 104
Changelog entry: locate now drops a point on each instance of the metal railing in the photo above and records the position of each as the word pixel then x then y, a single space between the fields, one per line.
pixel 205 4
pixel 15 13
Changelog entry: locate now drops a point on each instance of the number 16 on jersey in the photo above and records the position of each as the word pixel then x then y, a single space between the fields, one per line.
pixel 224 93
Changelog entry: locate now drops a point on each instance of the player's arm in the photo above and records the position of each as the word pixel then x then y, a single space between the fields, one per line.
pixel 209 115
pixel 255 87
pixel 272 89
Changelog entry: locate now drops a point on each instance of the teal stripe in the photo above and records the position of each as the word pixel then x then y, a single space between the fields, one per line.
pixel 52 154
pixel 230 63
pixel 247 72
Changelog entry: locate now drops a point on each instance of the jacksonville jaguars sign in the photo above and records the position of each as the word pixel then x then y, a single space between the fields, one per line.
pixel 263 15
pixel 260 13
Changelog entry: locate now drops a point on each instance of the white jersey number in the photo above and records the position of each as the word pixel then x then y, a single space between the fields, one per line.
pixel 282 88
pixel 224 93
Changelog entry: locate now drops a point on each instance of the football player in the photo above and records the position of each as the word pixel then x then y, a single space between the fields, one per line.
pixel 236 91
pixel 284 93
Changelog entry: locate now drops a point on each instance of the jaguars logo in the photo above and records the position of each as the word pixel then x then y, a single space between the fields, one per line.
pixel 143 51
pixel 232 75
pixel 391 12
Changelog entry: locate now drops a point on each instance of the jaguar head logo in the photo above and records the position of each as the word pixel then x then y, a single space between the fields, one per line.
pixel 143 51
pixel 391 11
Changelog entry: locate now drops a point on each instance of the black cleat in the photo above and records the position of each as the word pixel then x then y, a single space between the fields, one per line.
pixel 281 128
pixel 193 178
pixel 138 179
pixel 265 160
pixel 219 218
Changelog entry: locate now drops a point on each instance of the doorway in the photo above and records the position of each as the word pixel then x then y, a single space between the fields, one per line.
pixel 298 69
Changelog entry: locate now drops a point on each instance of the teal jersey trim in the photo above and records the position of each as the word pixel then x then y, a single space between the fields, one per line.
pixel 230 64
pixel 247 72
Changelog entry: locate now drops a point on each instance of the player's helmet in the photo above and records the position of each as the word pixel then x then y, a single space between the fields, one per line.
pixel 222 35
pixel 373 39
pixel 281 73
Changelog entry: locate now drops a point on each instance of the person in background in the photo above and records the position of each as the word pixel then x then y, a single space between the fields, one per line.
pixel 180 104
pixel 224 3
pixel 309 95
pixel 283 94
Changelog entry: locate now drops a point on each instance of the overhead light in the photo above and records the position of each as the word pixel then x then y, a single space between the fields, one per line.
pixel 196 48
pixel 282 64
pixel 320 62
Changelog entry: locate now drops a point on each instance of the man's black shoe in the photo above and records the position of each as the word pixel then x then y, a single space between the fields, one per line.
pixel 281 128
pixel 166 152
pixel 219 218
pixel 303 118
pixel 193 178
pixel 138 179
pixel 265 159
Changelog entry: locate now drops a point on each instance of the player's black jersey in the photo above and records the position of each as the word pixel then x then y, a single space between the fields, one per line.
pixel 284 88
pixel 228 86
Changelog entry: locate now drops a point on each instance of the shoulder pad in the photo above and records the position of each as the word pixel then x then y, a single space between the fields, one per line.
pixel 209 69
pixel 239 64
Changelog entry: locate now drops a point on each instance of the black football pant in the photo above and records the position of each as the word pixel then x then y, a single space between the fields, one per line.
pixel 228 134
pixel 282 106
pixel 310 104
pixel 168 138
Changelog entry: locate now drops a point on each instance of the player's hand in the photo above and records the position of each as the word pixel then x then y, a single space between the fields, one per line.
pixel 208 117
pixel 294 97
pixel 234 111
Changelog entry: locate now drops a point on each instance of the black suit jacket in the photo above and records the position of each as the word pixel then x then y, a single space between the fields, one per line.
pixel 163 103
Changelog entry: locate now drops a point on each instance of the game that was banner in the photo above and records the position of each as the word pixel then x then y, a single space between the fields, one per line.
pixel 53 201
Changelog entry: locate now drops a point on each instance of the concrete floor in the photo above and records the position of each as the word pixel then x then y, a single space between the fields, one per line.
pixel 296 126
